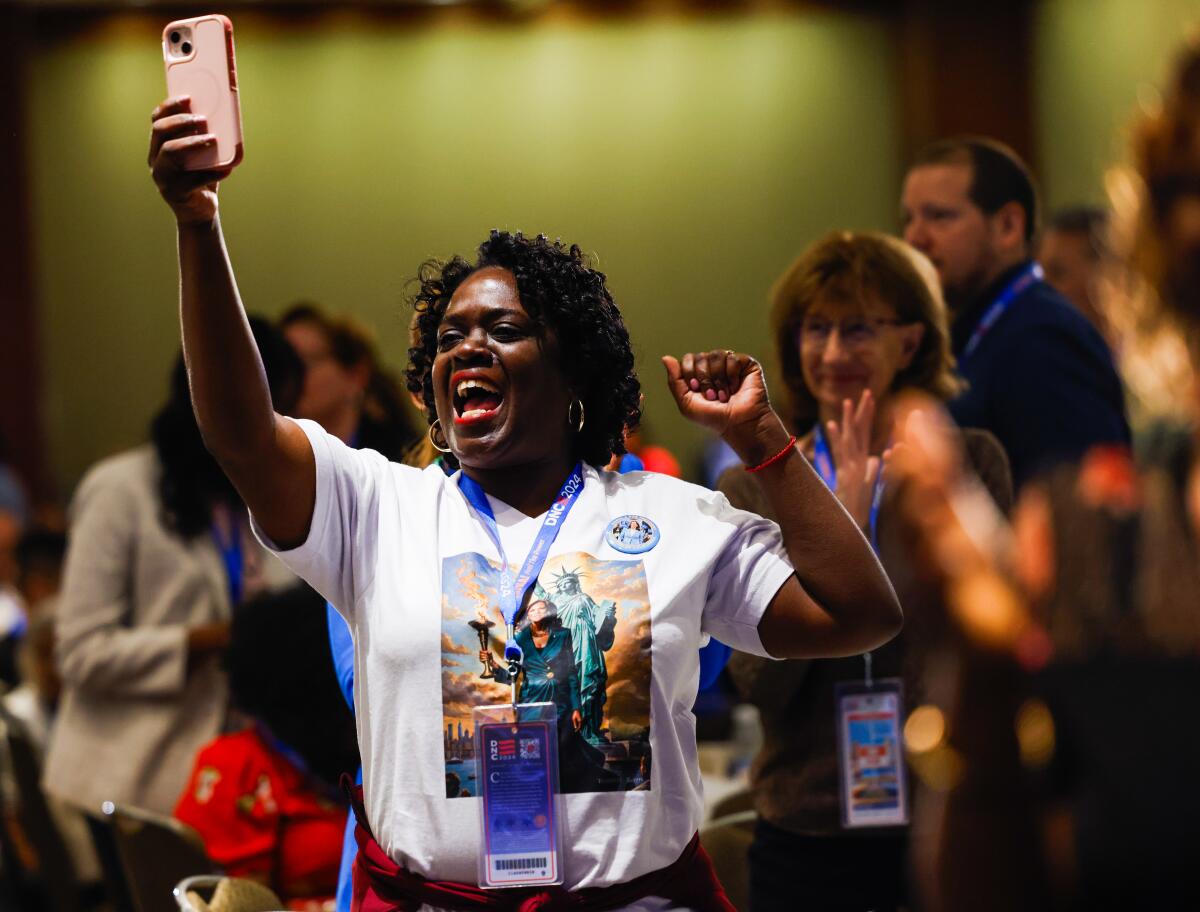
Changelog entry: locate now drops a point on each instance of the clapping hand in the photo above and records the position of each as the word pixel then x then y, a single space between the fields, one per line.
pixel 857 469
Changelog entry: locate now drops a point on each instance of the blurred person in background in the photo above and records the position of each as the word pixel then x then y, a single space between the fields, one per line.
pixel 40 556
pixel 857 319
pixel 31 708
pixel 1039 376
pixel 265 799
pixel 14 498
pixel 1060 741
pixel 715 459
pixel 1074 252
pixel 33 703
pixel 12 612
pixel 160 554
pixel 35 700
pixel 653 457
pixel 14 514
pixel 346 390
pixel 30 572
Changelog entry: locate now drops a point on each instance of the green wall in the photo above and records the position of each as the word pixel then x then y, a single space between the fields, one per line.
pixel 695 156
pixel 1095 62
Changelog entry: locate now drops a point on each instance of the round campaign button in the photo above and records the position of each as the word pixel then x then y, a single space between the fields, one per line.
pixel 632 534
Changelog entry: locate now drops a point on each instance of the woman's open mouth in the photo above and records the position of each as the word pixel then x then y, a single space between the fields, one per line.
pixel 475 399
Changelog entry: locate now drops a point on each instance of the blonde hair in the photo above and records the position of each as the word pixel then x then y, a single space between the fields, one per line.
pixel 848 265
pixel 1155 326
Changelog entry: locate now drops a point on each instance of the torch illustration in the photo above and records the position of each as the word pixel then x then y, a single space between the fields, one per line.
pixel 482 626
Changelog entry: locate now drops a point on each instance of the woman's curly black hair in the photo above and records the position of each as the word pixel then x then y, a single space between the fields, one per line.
pixel 562 293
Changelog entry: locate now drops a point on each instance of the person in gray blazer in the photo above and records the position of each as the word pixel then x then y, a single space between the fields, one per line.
pixel 160 553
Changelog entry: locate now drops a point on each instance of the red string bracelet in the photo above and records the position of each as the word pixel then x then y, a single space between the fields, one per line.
pixel 778 456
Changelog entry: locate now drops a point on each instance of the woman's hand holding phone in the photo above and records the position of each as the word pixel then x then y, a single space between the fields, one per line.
pixel 176 135
pixel 196 139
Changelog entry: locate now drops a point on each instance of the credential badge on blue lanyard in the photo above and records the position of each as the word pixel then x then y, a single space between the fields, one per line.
pixel 231 556
pixel 823 462
pixel 512 591
pixel 868 714
pixel 1029 275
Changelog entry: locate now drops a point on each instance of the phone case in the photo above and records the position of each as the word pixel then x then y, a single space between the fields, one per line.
pixel 208 74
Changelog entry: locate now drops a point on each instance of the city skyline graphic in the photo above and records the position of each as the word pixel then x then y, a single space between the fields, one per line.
pixel 470 593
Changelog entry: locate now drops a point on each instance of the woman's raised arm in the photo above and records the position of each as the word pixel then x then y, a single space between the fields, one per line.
pixel 266 456
pixel 840 601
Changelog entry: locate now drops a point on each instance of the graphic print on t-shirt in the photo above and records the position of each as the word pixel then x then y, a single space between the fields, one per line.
pixel 594 659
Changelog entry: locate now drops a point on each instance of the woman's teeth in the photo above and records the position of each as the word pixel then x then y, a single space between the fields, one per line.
pixel 466 385
pixel 475 399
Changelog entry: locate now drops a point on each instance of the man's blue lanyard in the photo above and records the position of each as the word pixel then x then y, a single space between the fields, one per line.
pixel 512 591
pixel 823 462
pixel 231 555
pixel 1029 275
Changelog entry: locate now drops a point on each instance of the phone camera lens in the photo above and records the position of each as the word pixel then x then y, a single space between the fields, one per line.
pixel 186 47
pixel 174 37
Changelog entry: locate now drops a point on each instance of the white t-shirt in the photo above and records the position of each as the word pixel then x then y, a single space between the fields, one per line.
pixel 405 559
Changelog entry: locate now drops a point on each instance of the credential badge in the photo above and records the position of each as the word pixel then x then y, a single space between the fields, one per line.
pixel 632 534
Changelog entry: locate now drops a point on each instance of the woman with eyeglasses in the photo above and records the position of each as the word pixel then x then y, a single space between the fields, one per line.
pixel 858 319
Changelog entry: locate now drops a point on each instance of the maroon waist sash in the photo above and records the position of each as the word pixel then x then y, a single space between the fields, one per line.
pixel 381 885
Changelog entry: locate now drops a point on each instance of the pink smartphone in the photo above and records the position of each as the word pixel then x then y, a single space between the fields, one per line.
pixel 198 54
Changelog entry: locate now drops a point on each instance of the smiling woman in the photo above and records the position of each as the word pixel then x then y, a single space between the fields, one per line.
pixel 858 322
pixel 525 368
pixel 859 312
pixel 559 342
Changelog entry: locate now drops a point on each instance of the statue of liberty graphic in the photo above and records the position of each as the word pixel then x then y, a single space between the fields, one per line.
pixel 592 629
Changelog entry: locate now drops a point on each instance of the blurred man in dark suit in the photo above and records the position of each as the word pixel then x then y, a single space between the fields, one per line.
pixel 1041 378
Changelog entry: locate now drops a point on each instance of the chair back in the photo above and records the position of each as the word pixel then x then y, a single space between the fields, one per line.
pixel 727 842
pixel 733 803
pixel 156 853
pixel 56 877
pixel 105 844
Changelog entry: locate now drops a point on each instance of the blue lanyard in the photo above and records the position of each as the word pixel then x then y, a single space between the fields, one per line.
pixel 512 591
pixel 293 756
pixel 285 750
pixel 1033 273
pixel 231 555
pixel 823 462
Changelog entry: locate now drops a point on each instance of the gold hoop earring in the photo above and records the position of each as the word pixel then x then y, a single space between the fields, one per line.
pixel 436 426
pixel 578 424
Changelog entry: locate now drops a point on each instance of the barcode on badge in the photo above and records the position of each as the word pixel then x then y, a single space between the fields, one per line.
pixel 512 865
pixel 516 870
